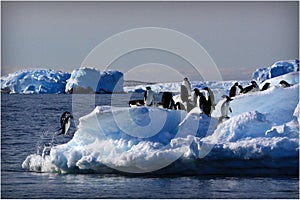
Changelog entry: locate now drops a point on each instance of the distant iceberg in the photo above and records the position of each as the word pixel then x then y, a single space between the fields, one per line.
pixel 277 69
pixel 34 81
pixel 91 80
pixel 42 81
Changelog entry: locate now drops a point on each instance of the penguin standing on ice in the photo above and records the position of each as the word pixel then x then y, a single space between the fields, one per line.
pixel 225 107
pixel 251 88
pixel 266 86
pixel 167 100
pixel 196 97
pixel 284 84
pixel 149 97
pixel 65 122
pixel 186 83
pixel 210 97
pixel 235 90
pixel 205 104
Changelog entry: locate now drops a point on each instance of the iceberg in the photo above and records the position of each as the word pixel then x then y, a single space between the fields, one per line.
pixel 41 81
pixel 261 137
pixel 34 81
pixel 277 69
pixel 91 80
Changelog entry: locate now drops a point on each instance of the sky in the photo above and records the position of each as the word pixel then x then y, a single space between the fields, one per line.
pixel 238 37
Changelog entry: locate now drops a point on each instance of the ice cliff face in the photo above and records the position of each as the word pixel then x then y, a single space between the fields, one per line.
pixel 277 69
pixel 34 81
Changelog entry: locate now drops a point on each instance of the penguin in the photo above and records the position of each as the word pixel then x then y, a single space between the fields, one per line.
pixel 196 96
pixel 135 103
pixel 266 86
pixel 184 95
pixel 284 84
pixel 65 122
pixel 225 107
pixel 235 90
pixel 251 88
pixel 187 106
pixel 149 97
pixel 179 106
pixel 167 100
pixel 186 83
pixel 211 95
pixel 210 98
pixel 205 104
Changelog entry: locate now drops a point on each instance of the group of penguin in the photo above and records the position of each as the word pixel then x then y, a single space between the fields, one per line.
pixel 204 101
pixel 237 89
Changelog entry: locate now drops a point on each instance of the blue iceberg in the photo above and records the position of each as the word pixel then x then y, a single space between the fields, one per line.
pixel 277 69
pixel 35 81
pixel 92 80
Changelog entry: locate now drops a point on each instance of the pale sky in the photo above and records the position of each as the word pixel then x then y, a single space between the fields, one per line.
pixel 238 36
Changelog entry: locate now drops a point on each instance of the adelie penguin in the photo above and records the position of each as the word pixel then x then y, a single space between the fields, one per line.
pixel 65 122
pixel 225 108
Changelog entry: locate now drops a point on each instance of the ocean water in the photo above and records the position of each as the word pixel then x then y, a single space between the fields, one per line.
pixel 28 121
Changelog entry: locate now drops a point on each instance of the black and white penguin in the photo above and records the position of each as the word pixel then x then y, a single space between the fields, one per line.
pixel 284 84
pixel 196 97
pixel 65 122
pixel 205 104
pixel 251 88
pixel 167 100
pixel 149 97
pixel 187 106
pixel 225 107
pixel 186 83
pixel 184 95
pixel 179 106
pixel 235 90
pixel 266 86
pixel 135 103
pixel 210 95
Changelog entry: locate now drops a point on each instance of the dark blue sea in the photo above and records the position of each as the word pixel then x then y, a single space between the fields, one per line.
pixel 27 119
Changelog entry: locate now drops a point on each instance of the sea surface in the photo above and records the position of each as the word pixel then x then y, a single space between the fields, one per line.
pixel 28 121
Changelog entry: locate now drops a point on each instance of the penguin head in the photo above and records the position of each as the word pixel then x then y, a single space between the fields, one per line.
pixel 197 92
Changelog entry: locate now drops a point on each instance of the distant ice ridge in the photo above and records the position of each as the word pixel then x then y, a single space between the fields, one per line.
pixel 260 138
pixel 35 81
pixel 40 81
pixel 277 69
pixel 92 79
